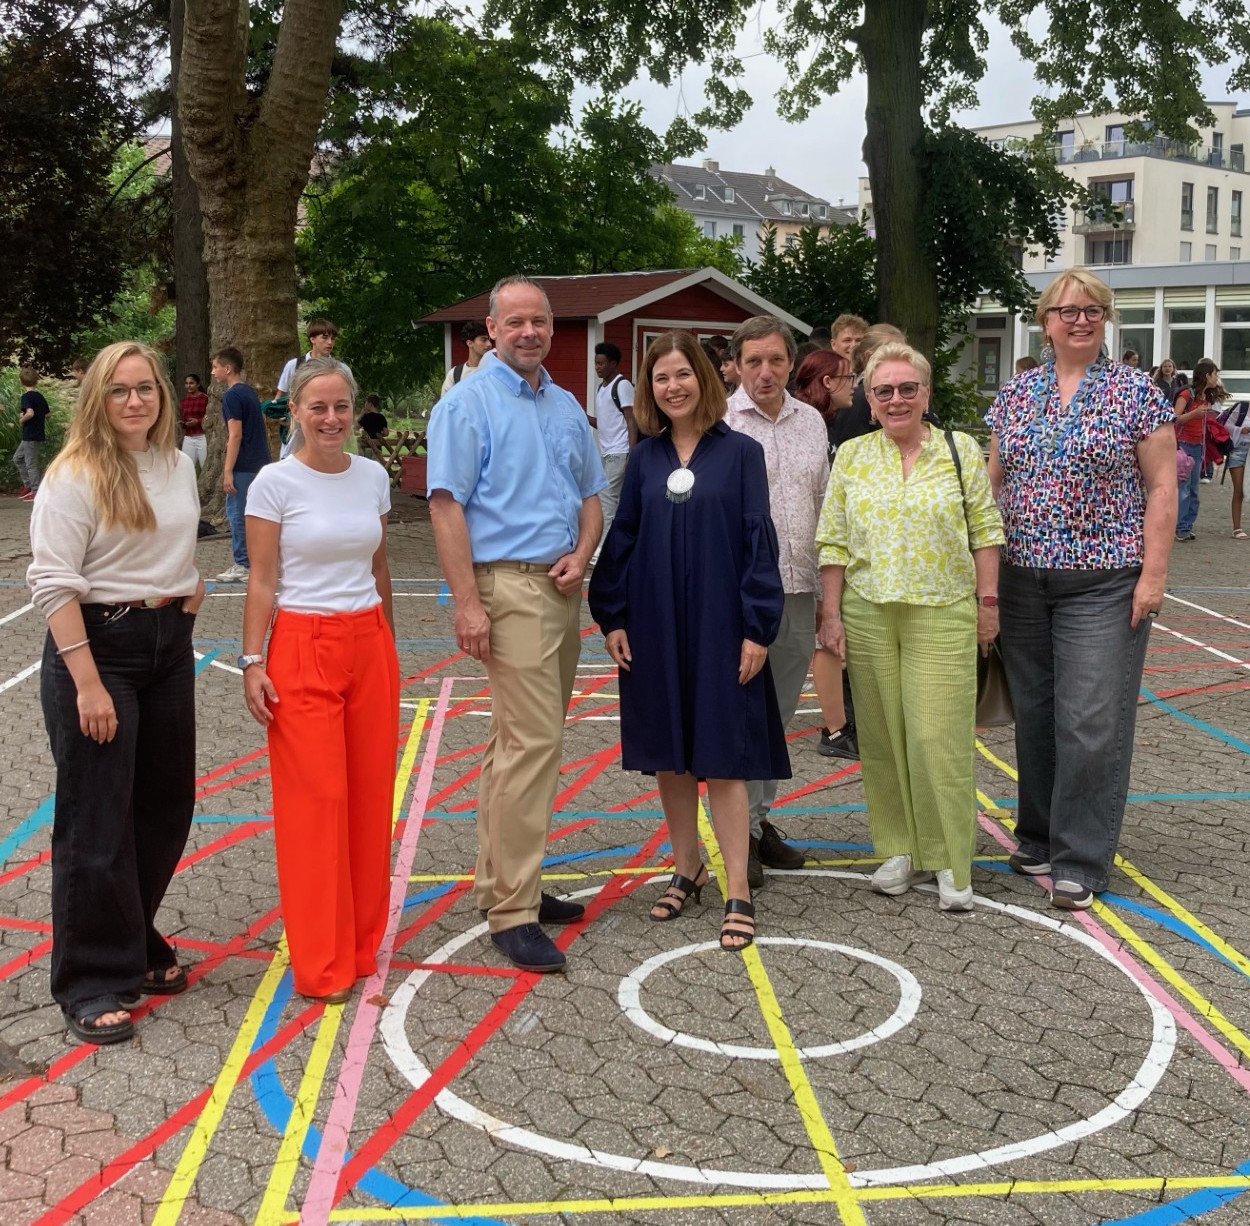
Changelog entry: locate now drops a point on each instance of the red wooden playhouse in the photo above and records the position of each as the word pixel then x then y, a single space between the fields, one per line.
pixel 627 308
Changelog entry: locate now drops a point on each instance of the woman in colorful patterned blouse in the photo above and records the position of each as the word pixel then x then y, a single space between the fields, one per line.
pixel 909 569
pixel 1083 456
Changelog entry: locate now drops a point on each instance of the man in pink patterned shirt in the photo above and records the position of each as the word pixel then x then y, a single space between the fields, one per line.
pixel 796 449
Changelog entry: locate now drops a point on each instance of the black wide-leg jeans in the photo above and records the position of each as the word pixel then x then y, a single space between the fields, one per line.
pixel 123 809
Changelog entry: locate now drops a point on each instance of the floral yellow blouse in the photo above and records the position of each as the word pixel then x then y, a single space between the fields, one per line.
pixel 907 541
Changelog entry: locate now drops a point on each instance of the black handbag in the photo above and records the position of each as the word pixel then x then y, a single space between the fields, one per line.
pixel 994 707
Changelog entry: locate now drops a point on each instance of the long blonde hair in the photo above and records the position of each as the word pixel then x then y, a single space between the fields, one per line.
pixel 92 446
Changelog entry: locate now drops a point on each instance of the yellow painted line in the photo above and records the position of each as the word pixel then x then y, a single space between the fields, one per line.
pixel 800 1086
pixel 1144 883
pixel 273 1205
pixel 202 1134
pixel 1204 1007
pixel 286 1164
pixel 639 1204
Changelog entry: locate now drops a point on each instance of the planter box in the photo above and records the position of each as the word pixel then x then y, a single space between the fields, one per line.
pixel 412 475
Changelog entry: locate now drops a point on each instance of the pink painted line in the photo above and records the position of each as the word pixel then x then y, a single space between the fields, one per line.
pixel 319 1199
pixel 1225 1059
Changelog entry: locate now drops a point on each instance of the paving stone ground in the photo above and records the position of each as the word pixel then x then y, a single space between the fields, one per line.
pixel 1012 1066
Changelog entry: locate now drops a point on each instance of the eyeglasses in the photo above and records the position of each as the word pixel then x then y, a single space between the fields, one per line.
pixel 117 394
pixel 885 392
pixel 1070 314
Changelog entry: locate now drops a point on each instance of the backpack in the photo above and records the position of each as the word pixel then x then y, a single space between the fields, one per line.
pixel 457 372
pixel 616 393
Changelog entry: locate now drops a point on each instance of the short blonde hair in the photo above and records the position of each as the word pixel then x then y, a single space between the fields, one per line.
pixel 878 334
pixel 1080 278
pixel 899 351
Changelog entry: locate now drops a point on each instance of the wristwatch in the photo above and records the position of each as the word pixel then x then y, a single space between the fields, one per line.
pixel 988 602
pixel 246 662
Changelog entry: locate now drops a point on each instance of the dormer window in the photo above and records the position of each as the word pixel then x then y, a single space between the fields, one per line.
pixel 803 210
pixel 729 195
pixel 785 208
pixel 700 192
pixel 822 211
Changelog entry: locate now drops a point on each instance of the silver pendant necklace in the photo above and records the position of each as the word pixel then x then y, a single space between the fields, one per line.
pixel 680 482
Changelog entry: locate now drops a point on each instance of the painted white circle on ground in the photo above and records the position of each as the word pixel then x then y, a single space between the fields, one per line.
pixel 630 997
pixel 1158 1056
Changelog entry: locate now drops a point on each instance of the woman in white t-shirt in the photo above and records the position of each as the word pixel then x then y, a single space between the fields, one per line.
pixel 328 690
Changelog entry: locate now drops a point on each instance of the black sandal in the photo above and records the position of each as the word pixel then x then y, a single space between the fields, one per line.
pixel 734 928
pixel 677 893
pixel 82 1026
pixel 159 983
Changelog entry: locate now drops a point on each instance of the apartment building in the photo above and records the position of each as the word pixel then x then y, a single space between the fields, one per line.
pixel 1165 231
pixel 740 205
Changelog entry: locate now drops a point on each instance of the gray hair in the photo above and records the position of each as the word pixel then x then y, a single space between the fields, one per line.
pixel 756 329
pixel 506 283
pixel 304 374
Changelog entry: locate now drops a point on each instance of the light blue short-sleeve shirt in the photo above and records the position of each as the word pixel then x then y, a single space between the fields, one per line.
pixel 519 462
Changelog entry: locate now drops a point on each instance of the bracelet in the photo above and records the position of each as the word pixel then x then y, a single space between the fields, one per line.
pixel 64 651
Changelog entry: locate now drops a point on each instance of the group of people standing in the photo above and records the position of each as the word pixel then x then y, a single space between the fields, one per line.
pixel 736 549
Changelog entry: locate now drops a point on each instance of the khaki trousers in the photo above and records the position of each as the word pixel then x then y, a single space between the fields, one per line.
pixel 535 642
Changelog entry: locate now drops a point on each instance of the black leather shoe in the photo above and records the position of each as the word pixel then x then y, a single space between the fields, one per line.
pixel 775 851
pixel 755 870
pixel 840 744
pixel 552 910
pixel 527 946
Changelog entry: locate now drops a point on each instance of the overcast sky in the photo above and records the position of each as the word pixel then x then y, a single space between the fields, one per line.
pixel 823 154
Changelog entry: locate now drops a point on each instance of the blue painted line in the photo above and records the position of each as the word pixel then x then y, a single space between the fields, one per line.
pixel 1170 922
pixel 42 816
pixel 276 1105
pixel 429 895
pixel 444 594
pixel 1200 724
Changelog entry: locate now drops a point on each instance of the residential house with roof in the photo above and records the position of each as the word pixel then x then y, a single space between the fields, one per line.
pixel 737 204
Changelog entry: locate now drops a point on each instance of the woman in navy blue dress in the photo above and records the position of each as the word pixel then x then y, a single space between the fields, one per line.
pixel 688 596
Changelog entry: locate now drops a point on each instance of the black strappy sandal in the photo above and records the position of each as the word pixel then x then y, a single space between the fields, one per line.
pixel 734 928
pixel 678 893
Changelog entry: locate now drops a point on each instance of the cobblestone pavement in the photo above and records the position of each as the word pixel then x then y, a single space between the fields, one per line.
pixel 1011 1066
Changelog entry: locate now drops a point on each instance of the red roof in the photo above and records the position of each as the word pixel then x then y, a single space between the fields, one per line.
pixel 571 297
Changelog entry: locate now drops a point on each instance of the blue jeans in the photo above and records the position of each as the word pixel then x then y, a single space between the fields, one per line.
pixel 1187 492
pixel 1074 665
pixel 236 510
pixel 123 808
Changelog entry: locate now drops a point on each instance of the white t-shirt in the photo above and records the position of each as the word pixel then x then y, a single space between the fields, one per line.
pixel 331 526
pixel 450 380
pixel 613 432
pixel 288 373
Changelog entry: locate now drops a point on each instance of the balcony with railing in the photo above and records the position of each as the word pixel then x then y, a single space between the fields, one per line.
pixel 1156 147
pixel 1106 216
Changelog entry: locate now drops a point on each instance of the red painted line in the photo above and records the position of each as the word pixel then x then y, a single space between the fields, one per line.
pixel 230 783
pixel 237 835
pixel 1228 687
pixel 33 954
pixel 1200 666
pixel 614 890
pixel 836 777
pixel 21 925
pixel 81 1196
pixel 226 767
pixel 42 858
pixel 452 968
pixel 434 911
pixel 425 672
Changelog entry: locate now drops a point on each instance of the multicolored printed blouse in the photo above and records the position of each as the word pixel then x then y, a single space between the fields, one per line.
pixel 1072 496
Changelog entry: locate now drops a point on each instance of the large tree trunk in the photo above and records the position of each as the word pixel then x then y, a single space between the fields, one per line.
pixel 891 42
pixel 250 158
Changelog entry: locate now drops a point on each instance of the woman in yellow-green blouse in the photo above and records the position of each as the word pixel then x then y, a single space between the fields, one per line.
pixel 909 570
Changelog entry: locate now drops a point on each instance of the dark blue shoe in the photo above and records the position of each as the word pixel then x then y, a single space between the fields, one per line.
pixel 552 910
pixel 528 947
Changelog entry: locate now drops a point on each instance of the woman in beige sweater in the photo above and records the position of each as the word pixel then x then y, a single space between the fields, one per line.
pixel 113 570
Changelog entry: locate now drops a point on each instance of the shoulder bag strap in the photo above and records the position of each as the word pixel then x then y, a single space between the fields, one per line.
pixel 959 473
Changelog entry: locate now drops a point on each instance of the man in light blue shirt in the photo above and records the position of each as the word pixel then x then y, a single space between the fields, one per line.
pixel 514 479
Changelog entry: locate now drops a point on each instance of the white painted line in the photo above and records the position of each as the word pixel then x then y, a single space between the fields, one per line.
pixel 1215 651
pixel 1143 1083
pixel 18 678
pixel 630 992
pixel 8 617
pixel 1232 621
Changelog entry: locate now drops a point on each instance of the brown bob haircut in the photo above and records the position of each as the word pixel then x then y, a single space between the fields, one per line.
pixel 650 417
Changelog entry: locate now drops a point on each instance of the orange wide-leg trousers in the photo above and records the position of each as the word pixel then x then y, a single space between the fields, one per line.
pixel 332 744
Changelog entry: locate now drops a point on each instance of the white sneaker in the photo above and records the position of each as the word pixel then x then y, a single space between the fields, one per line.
pixel 895 876
pixel 234 574
pixel 949 898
